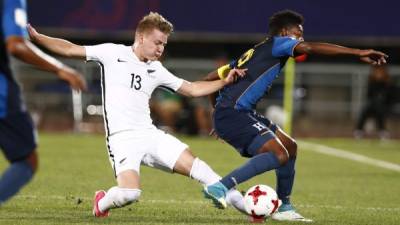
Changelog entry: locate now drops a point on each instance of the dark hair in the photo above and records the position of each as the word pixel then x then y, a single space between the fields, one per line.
pixel 284 19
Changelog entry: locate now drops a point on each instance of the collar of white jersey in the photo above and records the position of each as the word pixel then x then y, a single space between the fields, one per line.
pixel 136 58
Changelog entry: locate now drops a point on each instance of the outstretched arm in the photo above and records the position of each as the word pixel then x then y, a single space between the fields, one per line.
pixel 57 45
pixel 368 55
pixel 211 77
pixel 202 88
pixel 220 73
pixel 24 50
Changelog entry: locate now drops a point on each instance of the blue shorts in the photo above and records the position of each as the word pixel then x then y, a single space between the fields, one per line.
pixel 17 136
pixel 247 131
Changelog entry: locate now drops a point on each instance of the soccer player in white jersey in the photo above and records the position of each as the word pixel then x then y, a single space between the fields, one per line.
pixel 129 76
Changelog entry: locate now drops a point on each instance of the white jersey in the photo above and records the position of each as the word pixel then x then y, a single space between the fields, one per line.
pixel 127 85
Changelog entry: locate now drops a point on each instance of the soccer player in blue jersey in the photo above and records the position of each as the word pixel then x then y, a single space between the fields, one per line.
pixel 251 134
pixel 17 133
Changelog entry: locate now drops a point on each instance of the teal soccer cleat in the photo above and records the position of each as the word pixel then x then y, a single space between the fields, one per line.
pixel 216 192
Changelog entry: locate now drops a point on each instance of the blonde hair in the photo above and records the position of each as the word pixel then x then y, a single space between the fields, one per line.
pixel 154 21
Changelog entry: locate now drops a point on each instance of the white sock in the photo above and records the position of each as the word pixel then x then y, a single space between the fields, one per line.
pixel 235 199
pixel 203 173
pixel 118 197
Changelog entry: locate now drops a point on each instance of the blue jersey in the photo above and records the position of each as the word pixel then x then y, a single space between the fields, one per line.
pixel 264 63
pixel 13 19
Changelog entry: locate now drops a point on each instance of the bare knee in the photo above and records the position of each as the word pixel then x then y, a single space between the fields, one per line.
pixel 292 148
pixel 282 155
pixel 33 160
pixel 184 163
pixel 128 179
pixel 289 143
pixel 277 148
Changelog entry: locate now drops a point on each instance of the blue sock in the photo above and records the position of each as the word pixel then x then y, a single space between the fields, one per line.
pixel 285 178
pixel 258 164
pixel 17 175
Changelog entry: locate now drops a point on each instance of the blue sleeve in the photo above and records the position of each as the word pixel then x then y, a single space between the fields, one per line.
pixel 284 46
pixel 14 18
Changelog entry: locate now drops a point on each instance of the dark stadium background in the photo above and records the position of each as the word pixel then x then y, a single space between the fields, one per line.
pixel 210 29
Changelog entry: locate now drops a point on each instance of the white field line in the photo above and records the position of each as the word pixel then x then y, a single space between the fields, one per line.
pixel 204 202
pixel 348 155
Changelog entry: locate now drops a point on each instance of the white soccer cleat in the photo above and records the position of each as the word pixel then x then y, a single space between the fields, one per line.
pixel 289 215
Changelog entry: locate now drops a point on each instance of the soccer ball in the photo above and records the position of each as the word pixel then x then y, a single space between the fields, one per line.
pixel 261 201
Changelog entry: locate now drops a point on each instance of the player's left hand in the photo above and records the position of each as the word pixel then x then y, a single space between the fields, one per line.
pixel 74 78
pixel 234 74
pixel 373 57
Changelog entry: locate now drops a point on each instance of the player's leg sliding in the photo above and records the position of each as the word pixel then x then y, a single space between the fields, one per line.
pixel 217 193
pixel 235 199
pixel 115 198
pixel 203 173
pixel 258 164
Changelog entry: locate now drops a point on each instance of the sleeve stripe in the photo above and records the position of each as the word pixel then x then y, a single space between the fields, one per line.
pixel 166 88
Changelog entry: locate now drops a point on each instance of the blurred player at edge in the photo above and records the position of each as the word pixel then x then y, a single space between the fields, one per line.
pixel 17 133
pixel 129 76
pixel 252 135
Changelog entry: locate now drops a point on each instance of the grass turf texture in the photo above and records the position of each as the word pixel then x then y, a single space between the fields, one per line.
pixel 327 189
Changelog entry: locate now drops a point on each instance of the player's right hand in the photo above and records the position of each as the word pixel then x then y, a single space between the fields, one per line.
pixel 74 78
pixel 373 57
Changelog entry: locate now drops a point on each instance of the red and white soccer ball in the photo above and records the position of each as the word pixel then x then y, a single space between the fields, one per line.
pixel 261 201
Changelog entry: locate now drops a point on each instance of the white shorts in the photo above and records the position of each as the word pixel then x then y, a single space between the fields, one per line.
pixel 153 148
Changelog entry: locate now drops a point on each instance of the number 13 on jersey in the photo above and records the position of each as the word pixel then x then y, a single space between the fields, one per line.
pixel 135 82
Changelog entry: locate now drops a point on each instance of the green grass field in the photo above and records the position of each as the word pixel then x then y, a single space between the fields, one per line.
pixel 328 189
